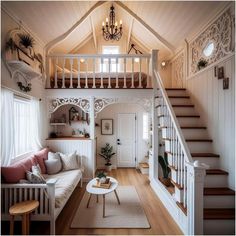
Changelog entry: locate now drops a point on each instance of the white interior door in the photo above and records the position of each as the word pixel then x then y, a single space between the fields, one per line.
pixel 126 136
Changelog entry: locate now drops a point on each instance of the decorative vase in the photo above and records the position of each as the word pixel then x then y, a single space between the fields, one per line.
pixel 108 167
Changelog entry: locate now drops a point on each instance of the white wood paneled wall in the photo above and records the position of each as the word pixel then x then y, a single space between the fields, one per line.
pixel 83 148
pixel 217 108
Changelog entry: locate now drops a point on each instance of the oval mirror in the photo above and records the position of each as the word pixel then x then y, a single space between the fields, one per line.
pixel 208 50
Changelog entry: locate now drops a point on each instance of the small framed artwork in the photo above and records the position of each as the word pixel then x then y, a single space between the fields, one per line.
pixel 216 71
pixel 226 83
pixel 107 126
pixel 221 72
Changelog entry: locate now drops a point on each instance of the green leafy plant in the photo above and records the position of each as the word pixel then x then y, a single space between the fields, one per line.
pixel 163 161
pixel 107 153
pixel 101 174
pixel 24 88
pixel 202 64
pixel 10 45
pixel 26 40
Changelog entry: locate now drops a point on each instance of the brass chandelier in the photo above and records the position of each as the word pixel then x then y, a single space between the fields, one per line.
pixel 111 31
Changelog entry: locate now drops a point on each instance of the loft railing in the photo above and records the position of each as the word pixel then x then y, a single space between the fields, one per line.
pixel 98 71
pixel 189 174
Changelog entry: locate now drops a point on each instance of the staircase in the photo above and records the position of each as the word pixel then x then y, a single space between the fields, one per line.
pixel 218 199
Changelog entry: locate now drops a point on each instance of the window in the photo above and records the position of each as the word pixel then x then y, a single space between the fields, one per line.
pixel 145 126
pixel 105 65
pixel 208 50
pixel 22 121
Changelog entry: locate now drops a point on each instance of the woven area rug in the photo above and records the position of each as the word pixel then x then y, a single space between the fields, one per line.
pixel 129 214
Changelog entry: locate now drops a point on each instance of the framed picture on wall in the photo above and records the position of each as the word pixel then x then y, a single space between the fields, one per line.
pixel 107 126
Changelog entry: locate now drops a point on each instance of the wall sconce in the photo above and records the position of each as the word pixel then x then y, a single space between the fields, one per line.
pixel 164 64
pixel 82 60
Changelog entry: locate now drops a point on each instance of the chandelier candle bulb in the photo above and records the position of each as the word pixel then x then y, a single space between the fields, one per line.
pixel 120 22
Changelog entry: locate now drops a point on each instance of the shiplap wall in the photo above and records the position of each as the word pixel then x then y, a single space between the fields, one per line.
pixel 217 108
pixel 83 148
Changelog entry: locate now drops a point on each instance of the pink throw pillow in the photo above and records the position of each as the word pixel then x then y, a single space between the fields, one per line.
pixel 41 156
pixel 14 173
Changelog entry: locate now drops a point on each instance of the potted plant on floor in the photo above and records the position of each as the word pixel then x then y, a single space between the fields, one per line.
pixel 165 170
pixel 107 153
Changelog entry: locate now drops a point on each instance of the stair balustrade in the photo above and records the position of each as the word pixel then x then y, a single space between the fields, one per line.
pixel 189 175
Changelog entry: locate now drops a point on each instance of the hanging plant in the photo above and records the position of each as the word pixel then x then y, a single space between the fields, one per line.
pixel 26 40
pixel 202 64
pixel 25 88
pixel 10 45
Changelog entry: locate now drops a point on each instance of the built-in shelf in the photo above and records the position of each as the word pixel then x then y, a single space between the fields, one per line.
pixel 55 124
pixel 21 67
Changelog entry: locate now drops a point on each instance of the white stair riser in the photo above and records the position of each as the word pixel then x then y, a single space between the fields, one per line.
pixel 189 121
pixel 180 101
pixel 184 111
pixel 176 92
pixel 217 227
pixel 194 133
pixel 216 181
pixel 224 201
pixel 179 195
pixel 200 146
pixel 212 162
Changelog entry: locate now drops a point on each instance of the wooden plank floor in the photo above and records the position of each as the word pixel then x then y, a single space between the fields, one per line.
pixel 158 217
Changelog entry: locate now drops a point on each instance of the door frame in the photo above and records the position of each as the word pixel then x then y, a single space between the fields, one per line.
pixel 136 136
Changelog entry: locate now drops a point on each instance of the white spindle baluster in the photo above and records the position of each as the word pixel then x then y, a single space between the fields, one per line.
pixel 63 73
pixel 86 76
pixel 117 83
pixel 55 66
pixel 132 78
pixel 71 72
pixel 148 77
pixel 184 183
pixel 41 200
pixel 181 167
pixel 109 71
pixel 15 195
pixel 36 197
pixel 178 164
pixel 140 73
pixel 6 200
pixel 78 62
pixel 102 72
pixel 94 82
pixel 124 73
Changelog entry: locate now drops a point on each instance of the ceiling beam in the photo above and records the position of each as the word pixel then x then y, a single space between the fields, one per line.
pixel 169 46
pixel 129 34
pixel 62 37
pixel 94 33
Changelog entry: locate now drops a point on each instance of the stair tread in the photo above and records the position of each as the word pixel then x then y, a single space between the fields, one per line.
pixel 183 105
pixel 188 116
pixel 181 206
pixel 193 127
pixel 176 89
pixel 199 140
pixel 196 154
pixel 218 191
pixel 175 96
pixel 216 172
pixel 219 213
pixel 144 165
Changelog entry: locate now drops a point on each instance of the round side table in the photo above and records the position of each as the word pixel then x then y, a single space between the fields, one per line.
pixel 24 209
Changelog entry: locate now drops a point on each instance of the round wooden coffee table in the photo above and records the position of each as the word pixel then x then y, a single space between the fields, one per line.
pixel 101 191
pixel 24 209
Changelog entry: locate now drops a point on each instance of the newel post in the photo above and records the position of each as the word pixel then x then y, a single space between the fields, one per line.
pixel 195 185
pixel 153 170
pixel 92 134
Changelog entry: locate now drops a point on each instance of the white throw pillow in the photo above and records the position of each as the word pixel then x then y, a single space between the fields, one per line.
pixel 69 161
pixel 53 166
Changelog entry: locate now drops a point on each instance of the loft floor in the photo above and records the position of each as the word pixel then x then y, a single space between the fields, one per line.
pixel 158 217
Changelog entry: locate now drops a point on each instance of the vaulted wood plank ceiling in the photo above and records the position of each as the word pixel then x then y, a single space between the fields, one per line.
pixel 173 21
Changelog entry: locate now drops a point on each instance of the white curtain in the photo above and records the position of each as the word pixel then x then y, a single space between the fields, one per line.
pixel 36 120
pixel 7 126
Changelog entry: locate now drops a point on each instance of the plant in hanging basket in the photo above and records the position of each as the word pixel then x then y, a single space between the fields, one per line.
pixel 26 43
pixel 202 64
pixel 10 45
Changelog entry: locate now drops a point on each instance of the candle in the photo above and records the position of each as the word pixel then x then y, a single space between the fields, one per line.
pixel 116 24
pixel 103 23
pixel 106 20
pixel 120 22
